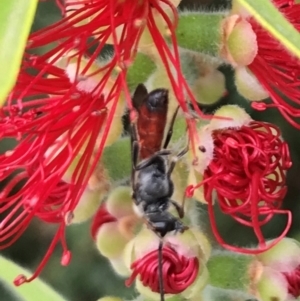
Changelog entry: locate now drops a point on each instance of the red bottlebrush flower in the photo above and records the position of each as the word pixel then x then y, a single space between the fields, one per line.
pixel 293 280
pixel 179 272
pixel 277 71
pixel 52 133
pixel 19 215
pixel 62 115
pixel 247 174
pixel 121 23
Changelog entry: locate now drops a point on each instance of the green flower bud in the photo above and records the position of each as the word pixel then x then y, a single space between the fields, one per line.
pixel 179 178
pixel 87 205
pixel 203 158
pixel 239 41
pixel 110 241
pixel 237 117
pixel 184 270
pixel 194 178
pixel 147 293
pixel 284 256
pixel 203 77
pixel 197 287
pixel 248 85
pixel 272 285
pixel 97 188
pixel 203 243
pixel 119 267
pixel 119 202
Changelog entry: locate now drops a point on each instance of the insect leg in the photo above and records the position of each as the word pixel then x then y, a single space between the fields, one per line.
pixel 170 131
pixel 175 159
pixel 179 209
pixel 135 149
pixel 151 160
pixel 160 271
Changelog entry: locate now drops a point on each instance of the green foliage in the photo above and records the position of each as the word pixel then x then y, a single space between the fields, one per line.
pixel 115 159
pixel 139 71
pixel 34 291
pixel 202 38
pixel 229 270
pixel 16 17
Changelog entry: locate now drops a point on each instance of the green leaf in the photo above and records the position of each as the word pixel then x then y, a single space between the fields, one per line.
pixel 229 270
pixel 139 71
pixel 273 21
pixel 117 159
pixel 36 290
pixel 16 17
pixel 199 31
pixel 218 294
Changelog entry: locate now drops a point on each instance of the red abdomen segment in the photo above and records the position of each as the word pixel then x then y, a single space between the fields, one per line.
pixel 150 127
pixel 151 122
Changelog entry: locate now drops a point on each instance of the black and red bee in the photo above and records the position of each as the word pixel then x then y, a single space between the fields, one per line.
pixel 152 166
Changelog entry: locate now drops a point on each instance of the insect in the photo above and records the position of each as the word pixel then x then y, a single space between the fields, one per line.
pixel 152 167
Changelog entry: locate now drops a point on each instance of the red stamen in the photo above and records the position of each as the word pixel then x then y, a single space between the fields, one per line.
pixel 248 175
pixel 276 69
pixel 293 279
pixel 179 272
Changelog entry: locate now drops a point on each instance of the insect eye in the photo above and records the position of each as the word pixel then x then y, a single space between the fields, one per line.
pixel 202 149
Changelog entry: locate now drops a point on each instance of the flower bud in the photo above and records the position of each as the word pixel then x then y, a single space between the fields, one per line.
pixel 193 179
pixel 284 256
pixel 238 9
pixel 183 264
pixel 204 152
pixel 237 117
pixel 179 178
pixel 203 77
pixel 248 85
pixel 119 267
pixel 240 44
pixel 272 286
pixel 241 171
pixel 97 188
pixel 203 243
pixel 281 270
pixel 119 202
pixel 120 228
pixel 199 284
pixel 87 205
pixel 101 217
pixel 107 234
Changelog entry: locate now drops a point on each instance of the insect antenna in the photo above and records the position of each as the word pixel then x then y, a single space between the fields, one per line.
pixel 160 271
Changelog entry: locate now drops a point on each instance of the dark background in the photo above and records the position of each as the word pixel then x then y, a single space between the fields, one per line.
pixel 89 276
